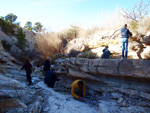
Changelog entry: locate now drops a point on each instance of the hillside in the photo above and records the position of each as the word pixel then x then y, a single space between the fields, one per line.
pixel 112 85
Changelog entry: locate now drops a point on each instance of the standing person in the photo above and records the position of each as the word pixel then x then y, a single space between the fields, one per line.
pixel 47 64
pixel 50 78
pixel 46 67
pixel 78 89
pixel 28 67
pixel 125 33
pixel 106 53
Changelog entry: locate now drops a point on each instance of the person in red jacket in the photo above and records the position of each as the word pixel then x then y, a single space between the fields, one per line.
pixel 28 67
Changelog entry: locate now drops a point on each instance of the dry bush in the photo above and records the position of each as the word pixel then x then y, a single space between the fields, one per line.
pixel 133 25
pixel 92 31
pixel 76 31
pixel 113 42
pixel 143 26
pixel 88 54
pixel 48 44
pixel 72 33
pixel 105 42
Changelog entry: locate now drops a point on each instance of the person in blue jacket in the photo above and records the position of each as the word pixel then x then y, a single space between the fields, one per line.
pixel 106 53
pixel 125 34
pixel 50 78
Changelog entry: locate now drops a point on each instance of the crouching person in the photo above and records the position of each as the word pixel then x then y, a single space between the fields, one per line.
pixel 78 90
pixel 106 53
pixel 50 78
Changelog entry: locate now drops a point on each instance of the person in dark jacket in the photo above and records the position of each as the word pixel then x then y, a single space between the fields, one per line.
pixel 50 78
pixel 28 67
pixel 47 64
pixel 106 53
pixel 125 33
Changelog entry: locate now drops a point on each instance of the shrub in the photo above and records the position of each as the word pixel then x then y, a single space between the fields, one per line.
pixel 6 45
pixel 21 41
pixel 73 53
pixel 143 26
pixel 47 44
pixel 89 55
pixel 91 31
pixel 6 27
pixel 134 25
pixel 72 33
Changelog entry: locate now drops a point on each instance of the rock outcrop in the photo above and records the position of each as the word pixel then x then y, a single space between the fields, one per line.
pixel 97 42
pixel 120 85
pixel 109 75
pixel 7 62
pixel 123 87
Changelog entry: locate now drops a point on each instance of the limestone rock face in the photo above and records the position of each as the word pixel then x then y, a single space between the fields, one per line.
pixel 146 40
pixel 76 44
pixel 7 61
pixel 109 75
pixel 1 47
pixel 10 92
pixel 111 107
pixel 113 67
pixel 146 53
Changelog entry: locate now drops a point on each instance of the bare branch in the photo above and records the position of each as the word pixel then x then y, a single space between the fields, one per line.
pixel 136 13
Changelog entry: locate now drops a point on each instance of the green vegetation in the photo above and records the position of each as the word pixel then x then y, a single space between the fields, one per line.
pixel 28 26
pixel 21 41
pixel 73 53
pixel 89 55
pixel 10 18
pixel 6 27
pixel 72 33
pixel 8 24
pixel 6 45
pixel 38 27
pixel 134 25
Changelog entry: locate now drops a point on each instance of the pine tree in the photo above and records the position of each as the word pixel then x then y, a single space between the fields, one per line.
pixel 21 41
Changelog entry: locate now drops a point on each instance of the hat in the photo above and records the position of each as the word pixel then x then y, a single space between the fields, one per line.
pixel 52 66
pixel 48 58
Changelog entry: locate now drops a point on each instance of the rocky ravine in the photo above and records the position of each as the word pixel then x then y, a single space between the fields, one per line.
pixel 17 97
pixel 111 86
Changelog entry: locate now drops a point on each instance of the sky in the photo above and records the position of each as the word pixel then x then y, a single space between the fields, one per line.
pixel 56 15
